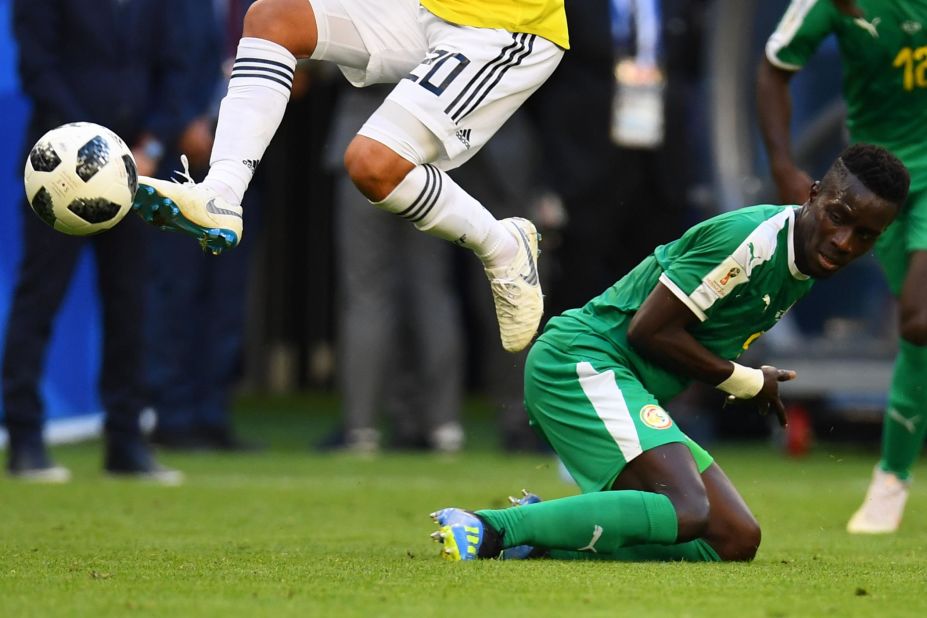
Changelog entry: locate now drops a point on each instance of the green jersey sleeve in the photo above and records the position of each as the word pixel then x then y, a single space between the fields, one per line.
pixel 805 24
pixel 713 258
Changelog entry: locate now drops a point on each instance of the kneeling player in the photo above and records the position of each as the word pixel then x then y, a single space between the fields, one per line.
pixel 596 379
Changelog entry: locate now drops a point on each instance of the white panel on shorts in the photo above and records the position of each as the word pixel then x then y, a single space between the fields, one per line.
pixel 606 398
pixel 472 81
pixel 371 41
pixel 463 82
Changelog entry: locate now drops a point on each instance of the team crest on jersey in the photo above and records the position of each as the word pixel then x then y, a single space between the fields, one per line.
pixel 656 417
pixel 726 276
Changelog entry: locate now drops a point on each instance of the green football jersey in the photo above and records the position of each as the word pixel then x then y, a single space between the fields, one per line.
pixel 884 59
pixel 735 271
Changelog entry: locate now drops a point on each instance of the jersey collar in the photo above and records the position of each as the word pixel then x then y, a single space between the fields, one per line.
pixel 793 268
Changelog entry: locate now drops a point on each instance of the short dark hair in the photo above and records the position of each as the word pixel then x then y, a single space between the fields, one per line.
pixel 879 170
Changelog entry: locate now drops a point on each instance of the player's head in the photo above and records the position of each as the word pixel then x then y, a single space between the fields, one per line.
pixel 859 196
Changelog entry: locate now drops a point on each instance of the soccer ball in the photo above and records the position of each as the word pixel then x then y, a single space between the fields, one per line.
pixel 80 178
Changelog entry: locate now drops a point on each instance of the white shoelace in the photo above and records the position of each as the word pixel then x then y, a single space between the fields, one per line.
pixel 186 178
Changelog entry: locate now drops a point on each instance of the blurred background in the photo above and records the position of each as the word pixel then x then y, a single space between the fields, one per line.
pixel 623 156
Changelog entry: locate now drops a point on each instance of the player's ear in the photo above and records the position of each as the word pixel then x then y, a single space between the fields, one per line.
pixel 815 189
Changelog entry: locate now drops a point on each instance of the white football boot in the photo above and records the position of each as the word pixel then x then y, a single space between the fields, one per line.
pixel 190 208
pixel 883 505
pixel 516 288
pixel 52 475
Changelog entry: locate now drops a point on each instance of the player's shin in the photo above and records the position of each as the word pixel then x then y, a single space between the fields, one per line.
pixel 259 89
pixel 905 422
pixel 429 199
pixel 602 522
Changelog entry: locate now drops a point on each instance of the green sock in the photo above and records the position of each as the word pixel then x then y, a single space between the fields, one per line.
pixel 905 421
pixel 693 551
pixel 601 522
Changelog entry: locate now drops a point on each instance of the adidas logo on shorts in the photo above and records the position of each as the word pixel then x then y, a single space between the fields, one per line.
pixel 464 136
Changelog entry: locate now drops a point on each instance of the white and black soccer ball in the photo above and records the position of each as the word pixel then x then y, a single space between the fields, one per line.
pixel 81 178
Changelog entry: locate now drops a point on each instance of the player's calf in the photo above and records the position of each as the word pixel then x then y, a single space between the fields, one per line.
pixel 523 552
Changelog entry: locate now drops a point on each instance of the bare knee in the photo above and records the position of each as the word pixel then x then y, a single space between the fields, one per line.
pixel 375 169
pixel 289 23
pixel 739 541
pixel 913 327
pixel 692 515
pixel 913 305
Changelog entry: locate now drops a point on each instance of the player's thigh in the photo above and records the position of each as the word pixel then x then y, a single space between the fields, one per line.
pixel 471 82
pixel 372 41
pixel 908 233
pixel 596 414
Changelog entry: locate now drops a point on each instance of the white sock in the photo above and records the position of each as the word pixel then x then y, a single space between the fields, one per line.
pixel 437 205
pixel 251 111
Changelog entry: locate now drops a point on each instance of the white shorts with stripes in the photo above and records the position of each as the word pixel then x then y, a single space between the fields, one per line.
pixel 462 83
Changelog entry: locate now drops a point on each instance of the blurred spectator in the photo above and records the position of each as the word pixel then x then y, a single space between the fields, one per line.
pixel 400 347
pixel 604 166
pixel 120 64
pixel 501 176
pixel 197 327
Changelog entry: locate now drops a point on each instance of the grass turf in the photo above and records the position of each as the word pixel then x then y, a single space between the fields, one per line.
pixel 289 532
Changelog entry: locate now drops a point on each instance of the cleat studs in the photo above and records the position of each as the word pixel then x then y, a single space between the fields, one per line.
pixel 524 492
pixel 513 500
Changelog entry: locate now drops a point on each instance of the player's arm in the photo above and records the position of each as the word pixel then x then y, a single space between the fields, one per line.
pixel 795 40
pixel 660 332
pixel 848 7
pixel 774 110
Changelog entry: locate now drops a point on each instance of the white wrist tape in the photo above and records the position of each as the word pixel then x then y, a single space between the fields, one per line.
pixel 744 382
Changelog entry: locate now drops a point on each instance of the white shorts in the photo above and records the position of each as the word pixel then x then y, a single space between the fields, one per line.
pixel 462 83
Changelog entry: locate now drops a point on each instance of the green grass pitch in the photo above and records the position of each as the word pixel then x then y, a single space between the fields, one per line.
pixel 293 533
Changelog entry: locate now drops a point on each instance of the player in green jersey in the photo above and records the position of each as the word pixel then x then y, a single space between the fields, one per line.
pixel 883 48
pixel 598 377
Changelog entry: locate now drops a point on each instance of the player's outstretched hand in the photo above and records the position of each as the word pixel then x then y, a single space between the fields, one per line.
pixel 768 397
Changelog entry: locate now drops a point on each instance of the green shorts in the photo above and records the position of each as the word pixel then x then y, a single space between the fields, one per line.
pixel 908 233
pixel 596 414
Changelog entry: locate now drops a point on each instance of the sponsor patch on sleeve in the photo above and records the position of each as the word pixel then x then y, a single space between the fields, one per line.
pixel 725 277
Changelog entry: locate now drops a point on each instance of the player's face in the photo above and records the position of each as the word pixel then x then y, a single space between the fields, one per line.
pixel 840 222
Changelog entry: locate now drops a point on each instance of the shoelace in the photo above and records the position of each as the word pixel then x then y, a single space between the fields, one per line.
pixel 507 293
pixel 185 174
